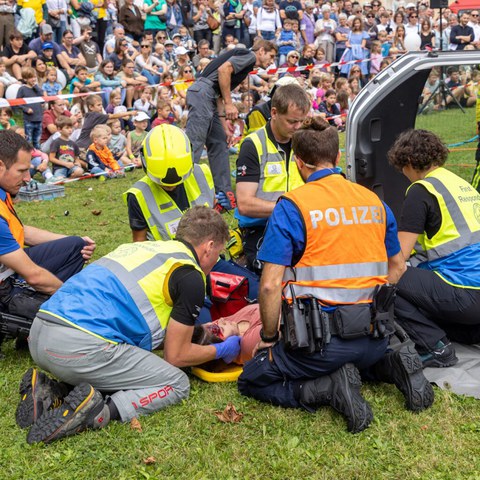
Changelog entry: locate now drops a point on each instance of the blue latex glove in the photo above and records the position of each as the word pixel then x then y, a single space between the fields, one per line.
pixel 228 350
pixel 223 200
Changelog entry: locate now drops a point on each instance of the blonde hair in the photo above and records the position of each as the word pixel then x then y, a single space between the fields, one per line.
pixel 100 130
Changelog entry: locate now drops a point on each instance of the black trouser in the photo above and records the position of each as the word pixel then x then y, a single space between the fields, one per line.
pixel 252 240
pixel 429 309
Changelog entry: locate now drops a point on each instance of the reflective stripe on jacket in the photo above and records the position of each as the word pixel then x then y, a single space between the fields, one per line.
pixel 345 256
pixel 144 269
pixel 460 209
pixel 275 178
pixel 160 211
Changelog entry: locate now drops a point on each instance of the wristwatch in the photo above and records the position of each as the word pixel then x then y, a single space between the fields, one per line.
pixel 271 339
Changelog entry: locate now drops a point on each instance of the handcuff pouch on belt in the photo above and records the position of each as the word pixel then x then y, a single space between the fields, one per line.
pixel 306 327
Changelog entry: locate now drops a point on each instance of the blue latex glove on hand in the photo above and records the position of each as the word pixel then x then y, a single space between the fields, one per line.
pixel 228 350
pixel 223 200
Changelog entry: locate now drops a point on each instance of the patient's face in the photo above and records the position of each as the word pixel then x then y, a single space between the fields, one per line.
pixel 227 328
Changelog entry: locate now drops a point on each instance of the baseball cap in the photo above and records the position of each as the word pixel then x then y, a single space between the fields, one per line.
pixel 181 51
pixel 410 5
pixel 168 42
pixel 140 117
pixel 47 45
pixel 46 29
pixel 175 36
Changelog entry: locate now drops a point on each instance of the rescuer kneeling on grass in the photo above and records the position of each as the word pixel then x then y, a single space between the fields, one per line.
pixel 98 332
pixel 330 248
pixel 438 297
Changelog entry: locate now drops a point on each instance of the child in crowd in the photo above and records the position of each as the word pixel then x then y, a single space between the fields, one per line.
pixel 136 138
pixel 81 80
pixel 320 61
pixel 99 157
pixel 144 103
pixel 79 104
pixel 118 142
pixel 6 120
pixel 64 153
pixel 325 84
pixel 39 163
pixel 164 113
pixel 385 43
pixel 115 102
pixel 342 102
pixel 185 39
pixel 48 56
pixel 51 87
pixel 375 57
pixel 95 116
pixel 5 78
pixel 286 41
pixel 33 113
pixel 330 108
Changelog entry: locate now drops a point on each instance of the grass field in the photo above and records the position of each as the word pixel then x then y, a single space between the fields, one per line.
pixel 188 442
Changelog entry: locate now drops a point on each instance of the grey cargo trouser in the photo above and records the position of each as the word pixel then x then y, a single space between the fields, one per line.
pixel 138 381
pixel 205 128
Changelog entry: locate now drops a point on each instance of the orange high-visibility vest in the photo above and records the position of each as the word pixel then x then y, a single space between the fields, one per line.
pixel 345 256
pixel 8 213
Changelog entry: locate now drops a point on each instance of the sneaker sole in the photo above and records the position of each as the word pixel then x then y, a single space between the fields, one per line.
pixel 26 413
pixel 359 415
pixel 441 362
pixel 410 380
pixel 53 425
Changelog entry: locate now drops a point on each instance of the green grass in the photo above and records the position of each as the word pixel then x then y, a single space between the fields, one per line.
pixel 187 441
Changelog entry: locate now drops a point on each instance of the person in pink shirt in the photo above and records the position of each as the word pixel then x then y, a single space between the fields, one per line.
pixel 246 323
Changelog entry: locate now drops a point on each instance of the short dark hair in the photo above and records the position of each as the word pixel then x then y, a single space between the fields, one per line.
pixel 200 224
pixel 316 142
pixel 15 35
pixel 290 95
pixel 267 45
pixel 10 144
pixel 420 149
pixel 202 43
pixel 63 121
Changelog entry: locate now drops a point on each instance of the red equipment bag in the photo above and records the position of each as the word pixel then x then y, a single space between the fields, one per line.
pixel 228 293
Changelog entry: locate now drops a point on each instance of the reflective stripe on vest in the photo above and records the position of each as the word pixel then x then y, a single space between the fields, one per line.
pixel 160 211
pixel 331 272
pixel 274 178
pixel 344 261
pixel 460 209
pixel 144 269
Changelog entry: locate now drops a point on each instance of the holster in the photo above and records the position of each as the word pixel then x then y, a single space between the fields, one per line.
pixel 383 318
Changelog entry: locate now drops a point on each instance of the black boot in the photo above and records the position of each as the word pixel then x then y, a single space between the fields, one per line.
pixel 340 390
pixel 404 369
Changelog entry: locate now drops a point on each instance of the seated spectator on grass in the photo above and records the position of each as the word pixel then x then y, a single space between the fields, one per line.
pixel 145 102
pixel 39 163
pixel 331 110
pixel 51 87
pixel 164 113
pixel 109 81
pixel 17 55
pixel 94 117
pixel 118 142
pixel 99 158
pixel 64 153
pixel 81 80
pixel 71 53
pixel 118 34
pixel 56 109
pixel 292 61
pixel 40 70
pixel 184 80
pixel 47 55
pixel 148 65
pixel 90 50
pixel 46 36
pixel 133 81
pixel 5 78
pixel 6 118
pixel 121 52
pixel 136 137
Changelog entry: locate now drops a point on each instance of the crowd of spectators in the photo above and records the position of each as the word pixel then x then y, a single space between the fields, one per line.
pixel 141 56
